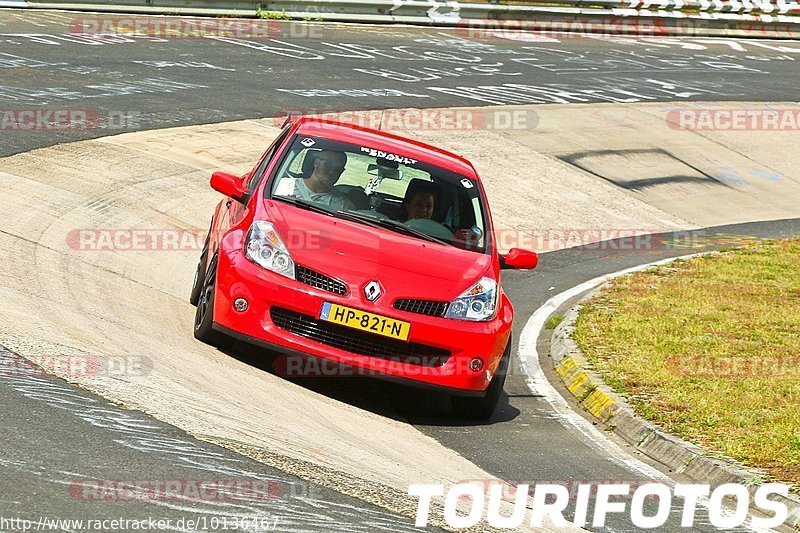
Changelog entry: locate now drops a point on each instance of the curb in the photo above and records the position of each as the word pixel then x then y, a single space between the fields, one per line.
pixel 611 409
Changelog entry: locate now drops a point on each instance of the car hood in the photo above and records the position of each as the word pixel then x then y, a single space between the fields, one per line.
pixel 357 253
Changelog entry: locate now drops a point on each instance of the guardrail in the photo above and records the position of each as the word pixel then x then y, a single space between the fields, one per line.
pixel 734 18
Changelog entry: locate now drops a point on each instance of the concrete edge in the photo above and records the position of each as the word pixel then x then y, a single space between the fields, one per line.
pixel 616 415
pixel 552 20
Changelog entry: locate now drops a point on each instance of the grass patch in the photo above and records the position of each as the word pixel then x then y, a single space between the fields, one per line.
pixel 272 15
pixel 709 349
pixel 553 321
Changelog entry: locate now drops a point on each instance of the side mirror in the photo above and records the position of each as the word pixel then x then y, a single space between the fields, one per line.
pixel 519 259
pixel 229 185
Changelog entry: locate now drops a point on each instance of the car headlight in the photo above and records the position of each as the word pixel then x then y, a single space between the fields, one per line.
pixel 477 303
pixel 264 247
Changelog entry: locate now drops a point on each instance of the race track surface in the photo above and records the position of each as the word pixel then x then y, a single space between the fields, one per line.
pixel 154 82
pixel 60 299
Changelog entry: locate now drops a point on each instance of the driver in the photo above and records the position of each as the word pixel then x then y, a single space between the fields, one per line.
pixel 318 187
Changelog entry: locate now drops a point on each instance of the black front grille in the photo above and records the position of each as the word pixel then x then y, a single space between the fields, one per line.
pixel 422 307
pixel 318 280
pixel 358 342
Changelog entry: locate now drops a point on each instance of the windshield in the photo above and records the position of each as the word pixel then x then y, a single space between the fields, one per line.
pixel 388 190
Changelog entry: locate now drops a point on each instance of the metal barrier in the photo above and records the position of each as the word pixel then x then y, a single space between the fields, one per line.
pixel 736 18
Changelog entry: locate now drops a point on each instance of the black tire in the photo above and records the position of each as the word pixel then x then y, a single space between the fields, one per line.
pixel 482 408
pixel 199 274
pixel 204 315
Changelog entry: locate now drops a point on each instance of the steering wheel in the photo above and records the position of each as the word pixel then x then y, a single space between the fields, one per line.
pixel 432 228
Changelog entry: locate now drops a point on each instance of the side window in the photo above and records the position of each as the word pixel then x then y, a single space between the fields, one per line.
pixel 252 183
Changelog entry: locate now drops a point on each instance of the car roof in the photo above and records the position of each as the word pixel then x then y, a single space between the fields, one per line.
pixel 382 140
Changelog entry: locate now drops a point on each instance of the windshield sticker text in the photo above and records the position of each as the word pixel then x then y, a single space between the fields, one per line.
pixel 385 155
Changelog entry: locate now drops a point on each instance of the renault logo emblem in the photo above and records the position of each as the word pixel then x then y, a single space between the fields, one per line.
pixel 372 291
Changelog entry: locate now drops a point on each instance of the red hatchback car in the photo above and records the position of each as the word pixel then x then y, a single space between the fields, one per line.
pixel 365 249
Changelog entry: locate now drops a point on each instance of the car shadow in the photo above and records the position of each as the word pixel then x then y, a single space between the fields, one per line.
pixel 385 398
pixel 427 408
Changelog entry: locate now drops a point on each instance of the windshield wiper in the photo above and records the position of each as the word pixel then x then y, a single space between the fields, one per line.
pixel 393 225
pixel 302 204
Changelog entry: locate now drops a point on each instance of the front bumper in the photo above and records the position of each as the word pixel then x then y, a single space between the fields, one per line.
pixel 270 295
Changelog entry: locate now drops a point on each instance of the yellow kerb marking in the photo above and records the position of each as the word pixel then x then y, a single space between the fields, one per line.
pixel 566 367
pixel 597 402
pixel 577 383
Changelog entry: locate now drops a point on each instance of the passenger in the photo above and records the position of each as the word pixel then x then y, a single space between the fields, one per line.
pixel 419 204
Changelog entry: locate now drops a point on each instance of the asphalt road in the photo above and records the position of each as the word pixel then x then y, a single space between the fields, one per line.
pixel 156 81
pixel 133 83
pixel 525 441
pixel 68 456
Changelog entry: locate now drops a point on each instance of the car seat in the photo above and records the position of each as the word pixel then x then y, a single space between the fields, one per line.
pixel 307 167
pixel 356 195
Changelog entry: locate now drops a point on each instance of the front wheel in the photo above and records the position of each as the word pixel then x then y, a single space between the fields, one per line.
pixel 483 408
pixel 200 271
pixel 199 275
pixel 204 315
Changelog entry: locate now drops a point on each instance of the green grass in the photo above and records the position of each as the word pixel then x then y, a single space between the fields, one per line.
pixel 272 15
pixel 553 321
pixel 709 349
